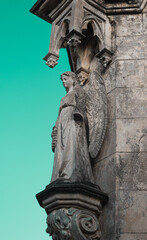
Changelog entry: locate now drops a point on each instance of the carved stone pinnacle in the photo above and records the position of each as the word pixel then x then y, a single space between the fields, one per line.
pixel 52 61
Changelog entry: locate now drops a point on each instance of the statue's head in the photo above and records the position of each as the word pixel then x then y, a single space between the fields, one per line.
pixel 69 79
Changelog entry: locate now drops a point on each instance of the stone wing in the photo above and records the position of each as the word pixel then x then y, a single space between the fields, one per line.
pixel 96 112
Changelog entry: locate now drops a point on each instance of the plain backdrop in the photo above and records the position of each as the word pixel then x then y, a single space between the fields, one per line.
pixel 30 94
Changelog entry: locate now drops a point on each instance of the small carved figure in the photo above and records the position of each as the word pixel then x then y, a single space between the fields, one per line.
pixel 79 129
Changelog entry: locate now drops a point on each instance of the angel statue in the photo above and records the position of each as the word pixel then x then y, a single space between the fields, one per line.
pixel 80 127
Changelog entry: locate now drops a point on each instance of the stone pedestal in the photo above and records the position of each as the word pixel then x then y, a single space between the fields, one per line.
pixel 73 210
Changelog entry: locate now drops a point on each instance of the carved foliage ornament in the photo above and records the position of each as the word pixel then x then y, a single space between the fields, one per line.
pixel 73 224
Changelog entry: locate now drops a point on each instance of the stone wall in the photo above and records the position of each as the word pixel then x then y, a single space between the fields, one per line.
pixel 121 167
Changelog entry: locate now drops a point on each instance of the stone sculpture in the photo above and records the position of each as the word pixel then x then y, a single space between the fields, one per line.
pixel 80 127
pixel 85 223
pixel 104 39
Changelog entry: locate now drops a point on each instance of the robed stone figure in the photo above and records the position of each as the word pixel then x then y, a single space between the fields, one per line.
pixel 80 127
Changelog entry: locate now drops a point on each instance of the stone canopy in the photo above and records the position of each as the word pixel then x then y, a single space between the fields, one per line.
pixel 49 10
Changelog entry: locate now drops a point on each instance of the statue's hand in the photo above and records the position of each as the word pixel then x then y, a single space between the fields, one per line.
pixel 78 116
pixel 54 138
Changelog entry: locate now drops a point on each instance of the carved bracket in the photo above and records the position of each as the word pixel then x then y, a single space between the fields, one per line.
pixel 73 210
pixel 82 76
pixel 105 57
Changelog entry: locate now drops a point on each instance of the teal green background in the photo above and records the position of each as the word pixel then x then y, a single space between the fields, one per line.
pixel 30 94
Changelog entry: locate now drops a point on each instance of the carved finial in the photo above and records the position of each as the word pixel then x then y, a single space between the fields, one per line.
pixel 52 61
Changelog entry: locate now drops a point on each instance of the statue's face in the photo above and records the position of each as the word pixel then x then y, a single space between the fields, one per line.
pixel 67 81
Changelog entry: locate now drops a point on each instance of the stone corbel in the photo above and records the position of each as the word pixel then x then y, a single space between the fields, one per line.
pixel 73 210
pixel 82 76
pixel 105 57
pixel 74 38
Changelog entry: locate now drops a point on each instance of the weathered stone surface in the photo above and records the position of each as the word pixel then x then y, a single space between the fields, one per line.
pixel 111 98
pixel 109 143
pixel 145 9
pixel 109 237
pixel 131 171
pixel 143 141
pixel 125 236
pixel 131 135
pixel 49 11
pixel 109 77
pixel 107 218
pixel 131 102
pixel 131 73
pixel 131 211
pixel 133 47
pixel 128 25
pixel 127 103
pixel 103 171
pixel 133 236
pixel 145 23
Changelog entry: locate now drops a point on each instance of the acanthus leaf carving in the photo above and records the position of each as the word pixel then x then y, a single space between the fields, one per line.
pixel 62 223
